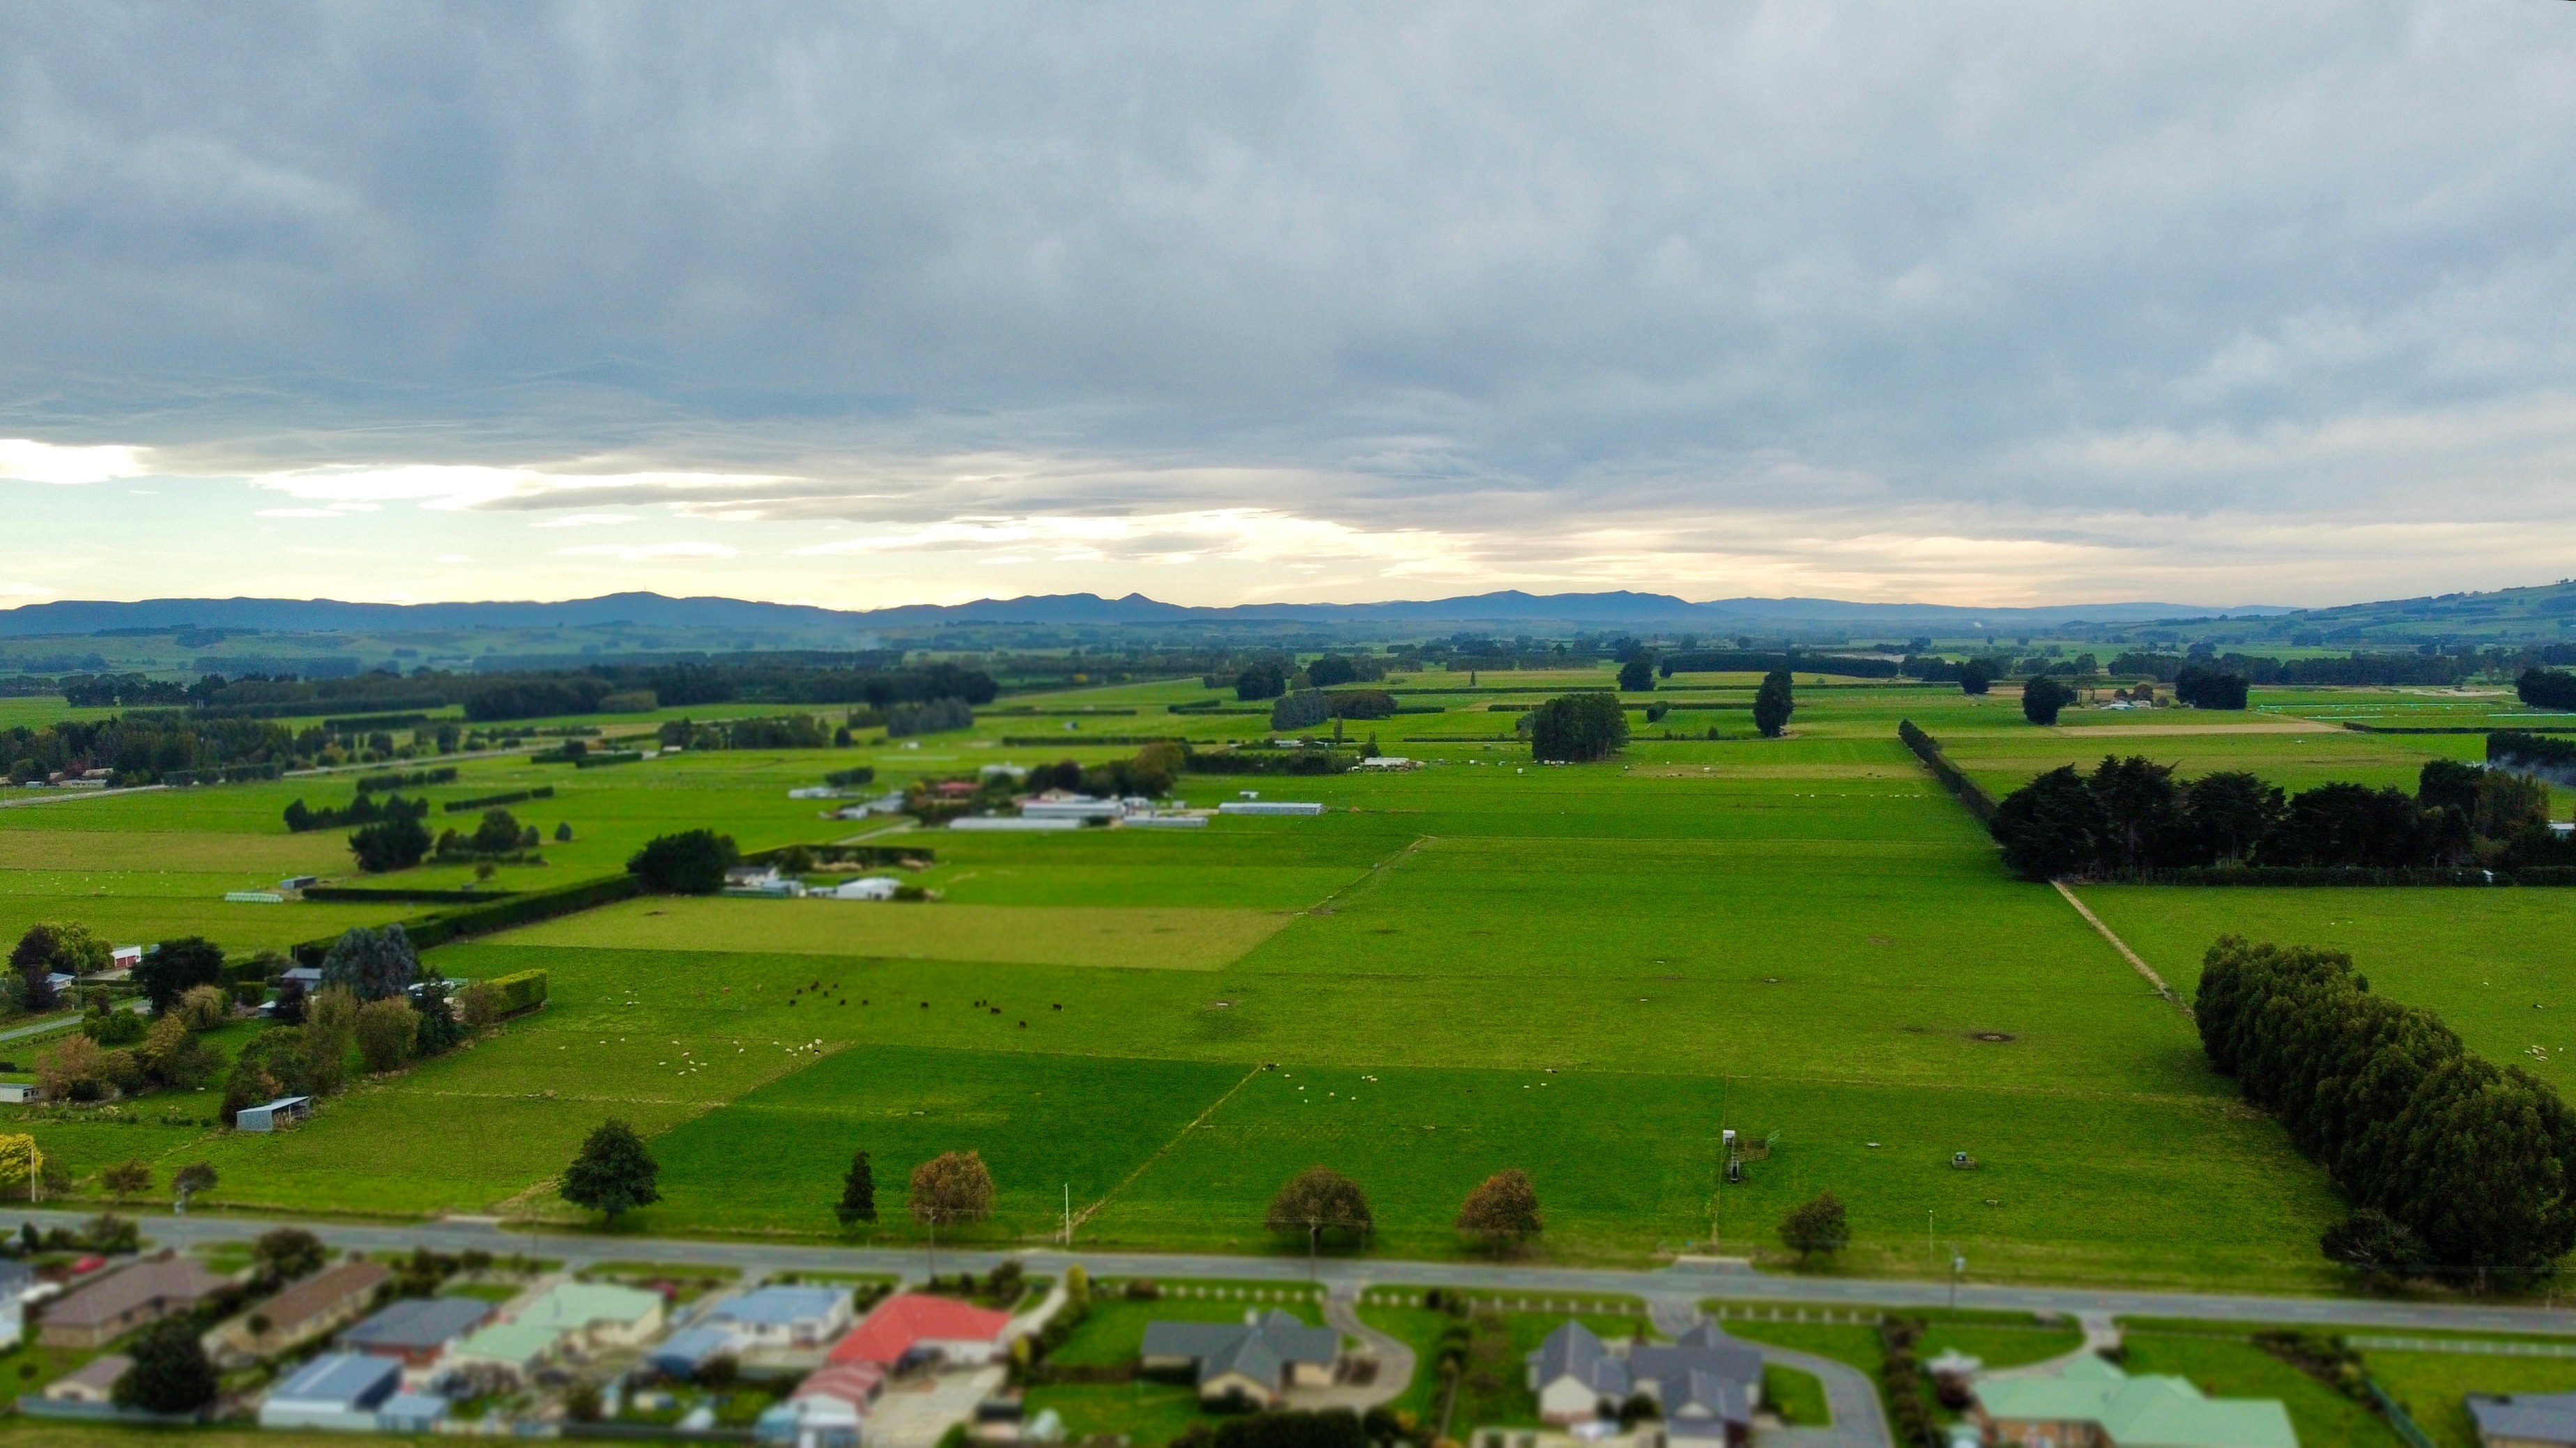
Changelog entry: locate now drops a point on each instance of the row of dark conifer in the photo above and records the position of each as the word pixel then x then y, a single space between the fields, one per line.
pixel 2475 1163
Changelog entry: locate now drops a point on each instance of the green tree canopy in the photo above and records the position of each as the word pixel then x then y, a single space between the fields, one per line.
pixel 2042 698
pixel 174 967
pixel 858 1193
pixel 390 844
pixel 1976 676
pixel 171 1373
pixel 613 1173
pixel 373 964
pixel 1578 728
pixel 1817 1226
pixel 692 862
pixel 1637 676
pixel 1319 1200
pixel 283 1254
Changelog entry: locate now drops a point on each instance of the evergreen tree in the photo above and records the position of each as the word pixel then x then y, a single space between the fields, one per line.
pixel 858 1193
pixel 174 967
pixel 2050 827
pixel 2042 698
pixel 1773 704
pixel 613 1173
pixel 692 862
pixel 171 1373
pixel 373 964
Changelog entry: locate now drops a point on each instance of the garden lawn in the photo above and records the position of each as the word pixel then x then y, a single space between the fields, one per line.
pixel 2433 1386
pixel 2227 1367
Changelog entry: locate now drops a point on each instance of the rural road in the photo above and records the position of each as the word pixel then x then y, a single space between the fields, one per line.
pixel 1682 1285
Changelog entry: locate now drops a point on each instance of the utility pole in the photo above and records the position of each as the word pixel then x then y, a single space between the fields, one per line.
pixel 1068 1216
pixel 1928 1249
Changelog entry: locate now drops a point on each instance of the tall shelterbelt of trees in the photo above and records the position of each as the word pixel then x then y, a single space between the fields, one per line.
pixel 2464 1167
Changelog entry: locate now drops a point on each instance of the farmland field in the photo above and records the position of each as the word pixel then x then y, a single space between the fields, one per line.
pixel 1583 972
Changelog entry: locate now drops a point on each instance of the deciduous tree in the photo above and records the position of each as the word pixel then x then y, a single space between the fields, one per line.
pixel 2042 698
pixel 1319 1200
pixel 387 1031
pixel 692 862
pixel 283 1254
pixel 1816 1226
pixel 950 1188
pixel 1502 1212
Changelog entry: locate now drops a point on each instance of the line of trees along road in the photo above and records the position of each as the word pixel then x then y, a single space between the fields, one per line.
pixel 2457 1166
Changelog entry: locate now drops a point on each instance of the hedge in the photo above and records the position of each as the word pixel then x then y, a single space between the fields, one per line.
pixel 604 758
pixel 370 783
pixel 1748 661
pixel 1049 741
pixel 2522 747
pixel 1928 749
pixel 519 991
pixel 440 927
pixel 361 895
pixel 829 854
pixel 491 801
pixel 1270 761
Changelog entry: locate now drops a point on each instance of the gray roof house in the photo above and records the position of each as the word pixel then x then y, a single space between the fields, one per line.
pixel 2524 1420
pixel 417 1329
pixel 1254 1360
pixel 1706 1383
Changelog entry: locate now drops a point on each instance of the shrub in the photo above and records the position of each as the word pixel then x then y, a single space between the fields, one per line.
pixel 516 992
pixel 390 845
pixel 1819 1226
pixel 127 1178
pixel 387 1029
pixel 205 1007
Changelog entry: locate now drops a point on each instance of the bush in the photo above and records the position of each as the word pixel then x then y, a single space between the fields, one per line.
pixel 205 1007
pixel 692 862
pixel 516 992
pixel 387 1031
pixel 390 845
pixel 127 1179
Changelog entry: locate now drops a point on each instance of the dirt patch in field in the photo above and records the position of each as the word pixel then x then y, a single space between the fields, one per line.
pixel 1996 1038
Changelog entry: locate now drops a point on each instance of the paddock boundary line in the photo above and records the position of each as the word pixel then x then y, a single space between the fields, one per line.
pixel 1165 1150
pixel 2122 946
pixel 1370 881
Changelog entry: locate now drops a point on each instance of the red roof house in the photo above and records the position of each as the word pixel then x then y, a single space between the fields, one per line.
pixel 914 1324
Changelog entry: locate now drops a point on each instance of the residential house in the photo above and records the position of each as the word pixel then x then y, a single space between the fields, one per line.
pixel 683 1353
pixel 785 1317
pixel 2091 1404
pixel 1252 1361
pixel 310 1308
pixel 1705 1385
pixel 307 976
pixel 827 1410
pixel 594 1315
pixel 94 1385
pixel 520 1347
pixel 418 1329
pixel 913 1327
pixel 340 1390
pixel 120 1302
pixel 2524 1420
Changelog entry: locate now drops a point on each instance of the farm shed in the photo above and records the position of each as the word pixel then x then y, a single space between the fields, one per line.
pixel 1268 807
pixel 17 1093
pixel 284 1111
pixel 2524 1420
pixel 336 1390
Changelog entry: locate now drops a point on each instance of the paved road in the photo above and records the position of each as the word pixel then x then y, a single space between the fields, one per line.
pixel 1687 1282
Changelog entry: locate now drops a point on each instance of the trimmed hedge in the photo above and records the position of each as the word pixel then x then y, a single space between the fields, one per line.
pixel 1749 661
pixel 1928 749
pixel 1270 761
pixel 519 991
pixel 493 801
pixel 370 783
pixel 440 927
pixel 360 895
pixel 2550 875
pixel 1047 741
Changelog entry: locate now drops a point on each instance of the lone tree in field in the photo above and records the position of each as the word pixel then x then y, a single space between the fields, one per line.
pixel 1976 676
pixel 1817 1226
pixel 2042 697
pixel 858 1194
pixel 692 862
pixel 1502 1213
pixel 1317 1200
pixel 613 1173
pixel 1637 676
pixel 1773 703
pixel 950 1188
pixel 193 1178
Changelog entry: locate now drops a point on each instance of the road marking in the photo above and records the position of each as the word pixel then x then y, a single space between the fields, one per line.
pixel 2122 946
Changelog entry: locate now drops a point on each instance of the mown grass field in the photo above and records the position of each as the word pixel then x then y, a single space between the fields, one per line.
pixel 1583 972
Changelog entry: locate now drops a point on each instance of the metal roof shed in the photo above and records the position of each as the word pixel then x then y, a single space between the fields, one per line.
pixel 283 1111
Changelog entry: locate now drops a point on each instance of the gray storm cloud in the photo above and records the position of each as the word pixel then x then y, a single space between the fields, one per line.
pixel 1768 279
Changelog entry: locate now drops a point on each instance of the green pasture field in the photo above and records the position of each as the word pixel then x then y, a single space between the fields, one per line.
pixel 2492 963
pixel 1158 937
pixel 1583 972
pixel 2433 1386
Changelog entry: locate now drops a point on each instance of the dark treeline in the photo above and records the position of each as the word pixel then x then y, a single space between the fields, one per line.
pixel 2455 1166
pixel 2357 668
pixel 366 809
pixel 143 748
pixel 2132 814
pixel 1746 661
pixel 2546 688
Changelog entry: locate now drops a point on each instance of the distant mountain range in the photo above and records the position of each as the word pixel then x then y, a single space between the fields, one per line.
pixel 1484 610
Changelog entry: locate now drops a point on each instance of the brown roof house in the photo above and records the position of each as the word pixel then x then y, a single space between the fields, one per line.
pixel 115 1305
pixel 318 1304
pixel 94 1385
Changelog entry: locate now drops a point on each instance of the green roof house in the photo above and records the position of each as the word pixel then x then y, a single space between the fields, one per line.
pixel 2091 1404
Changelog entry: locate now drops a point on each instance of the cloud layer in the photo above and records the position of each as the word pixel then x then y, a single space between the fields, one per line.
pixel 1970 302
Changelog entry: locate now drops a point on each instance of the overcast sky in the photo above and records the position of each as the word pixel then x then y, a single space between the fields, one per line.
pixel 1967 303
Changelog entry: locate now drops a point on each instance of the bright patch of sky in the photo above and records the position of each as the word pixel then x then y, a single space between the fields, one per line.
pixel 1969 303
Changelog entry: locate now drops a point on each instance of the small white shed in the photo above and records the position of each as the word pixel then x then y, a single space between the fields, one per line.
pixel 283 1111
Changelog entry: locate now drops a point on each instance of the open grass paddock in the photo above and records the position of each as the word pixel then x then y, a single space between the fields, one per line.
pixel 1583 972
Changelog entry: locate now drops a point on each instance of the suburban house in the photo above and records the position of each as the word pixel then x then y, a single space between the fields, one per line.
pixel 1252 1361
pixel 308 1309
pixel 94 1385
pixel 417 1329
pixel 914 1327
pixel 784 1317
pixel 2091 1404
pixel 120 1302
pixel 683 1353
pixel 339 1390
pixel 1705 1385
pixel 2524 1420
pixel 826 1410
pixel 580 1317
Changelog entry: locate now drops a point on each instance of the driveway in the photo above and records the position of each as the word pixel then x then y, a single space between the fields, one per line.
pixel 1395 1365
pixel 1859 1419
